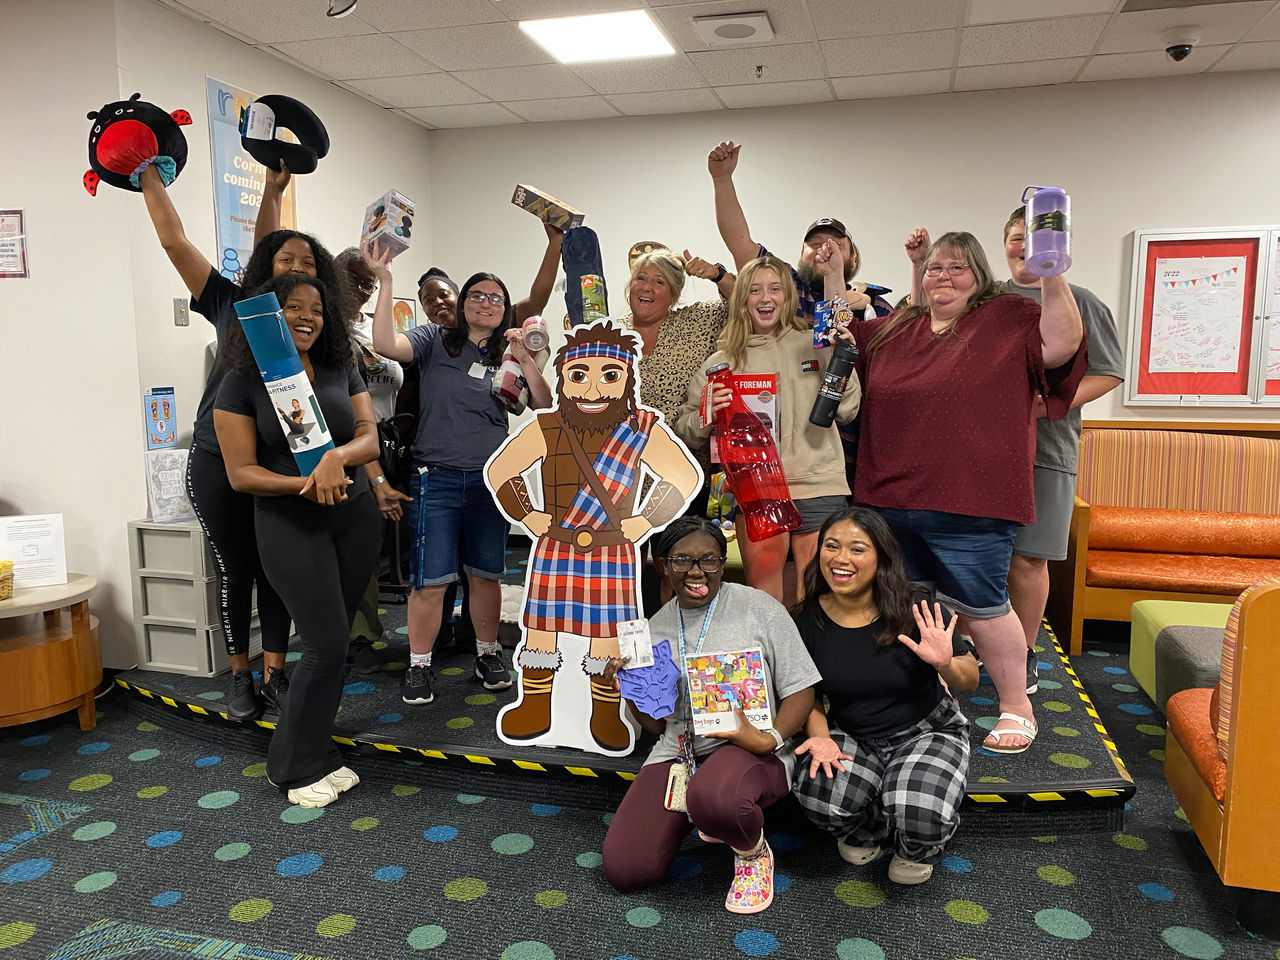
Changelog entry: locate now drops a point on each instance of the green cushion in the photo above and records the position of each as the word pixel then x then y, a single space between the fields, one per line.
pixel 1149 617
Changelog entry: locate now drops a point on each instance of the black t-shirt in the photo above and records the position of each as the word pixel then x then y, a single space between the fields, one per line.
pixel 215 305
pixel 873 691
pixel 243 392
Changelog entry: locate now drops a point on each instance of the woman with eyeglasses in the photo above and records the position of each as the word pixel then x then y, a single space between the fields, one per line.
pixel 948 439
pixel 729 776
pixel 460 424
pixel 764 335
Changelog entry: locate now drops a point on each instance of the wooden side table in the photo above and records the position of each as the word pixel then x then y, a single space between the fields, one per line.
pixel 50 659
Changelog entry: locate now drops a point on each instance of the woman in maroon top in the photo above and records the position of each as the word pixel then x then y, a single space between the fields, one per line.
pixel 948 439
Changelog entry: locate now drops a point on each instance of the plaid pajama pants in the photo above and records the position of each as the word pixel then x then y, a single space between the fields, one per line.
pixel 910 783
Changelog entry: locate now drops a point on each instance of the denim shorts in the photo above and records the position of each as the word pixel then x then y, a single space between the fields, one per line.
pixel 452 515
pixel 966 558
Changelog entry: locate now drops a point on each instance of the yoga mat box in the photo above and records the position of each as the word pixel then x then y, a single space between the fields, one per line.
pixel 546 207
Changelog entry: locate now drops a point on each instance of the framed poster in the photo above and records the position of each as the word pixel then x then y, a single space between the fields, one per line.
pixel 405 314
pixel 13 245
pixel 1198 315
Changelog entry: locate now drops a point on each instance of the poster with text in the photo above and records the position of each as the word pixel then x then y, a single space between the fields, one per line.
pixel 1195 315
pixel 13 245
pixel 238 179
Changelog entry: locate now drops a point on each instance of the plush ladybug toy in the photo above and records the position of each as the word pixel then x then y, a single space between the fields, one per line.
pixel 129 135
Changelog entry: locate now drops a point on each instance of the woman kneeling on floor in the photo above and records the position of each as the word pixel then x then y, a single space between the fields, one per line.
pixel 892 757
pixel 731 775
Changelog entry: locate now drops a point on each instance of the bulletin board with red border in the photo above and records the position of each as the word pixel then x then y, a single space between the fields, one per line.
pixel 1226 350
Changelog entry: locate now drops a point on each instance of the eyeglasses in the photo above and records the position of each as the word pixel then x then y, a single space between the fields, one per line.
pixel 954 269
pixel 497 299
pixel 683 564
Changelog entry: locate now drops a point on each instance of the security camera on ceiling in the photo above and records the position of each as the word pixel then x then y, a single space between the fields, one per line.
pixel 1179 41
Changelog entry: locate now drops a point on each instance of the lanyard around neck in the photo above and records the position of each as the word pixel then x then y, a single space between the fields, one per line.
pixel 702 635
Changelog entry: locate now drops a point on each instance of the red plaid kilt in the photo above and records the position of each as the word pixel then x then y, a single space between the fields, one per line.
pixel 582 593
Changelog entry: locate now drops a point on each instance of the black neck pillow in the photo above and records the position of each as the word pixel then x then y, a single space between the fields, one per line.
pixel 127 136
pixel 292 115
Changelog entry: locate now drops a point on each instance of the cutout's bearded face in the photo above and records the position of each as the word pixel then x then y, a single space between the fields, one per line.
pixel 596 393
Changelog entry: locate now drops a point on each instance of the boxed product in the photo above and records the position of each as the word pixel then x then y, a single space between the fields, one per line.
pixel 546 207
pixel 389 219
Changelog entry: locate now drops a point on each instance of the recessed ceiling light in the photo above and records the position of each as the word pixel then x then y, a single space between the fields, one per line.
pixel 599 36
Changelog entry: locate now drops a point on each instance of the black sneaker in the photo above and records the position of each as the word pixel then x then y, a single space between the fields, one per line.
pixel 243 702
pixel 275 690
pixel 492 672
pixel 416 685
pixel 1033 680
pixel 365 659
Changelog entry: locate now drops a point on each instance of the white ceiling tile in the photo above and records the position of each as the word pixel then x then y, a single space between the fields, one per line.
pixel 1123 66
pixel 1268 27
pixel 639 76
pixel 793 61
pixel 666 101
pixel 475 47
pixel 391 16
pixel 834 19
pixel 540 82
pixel 1217 23
pixel 474 115
pixel 787 17
pixel 775 94
pixel 1032 40
pixel 911 52
pixel 1249 56
pixel 892 85
pixel 411 118
pixel 569 108
pixel 1008 11
pixel 1033 74
pixel 354 58
pixel 542 9
pixel 269 22
pixel 424 91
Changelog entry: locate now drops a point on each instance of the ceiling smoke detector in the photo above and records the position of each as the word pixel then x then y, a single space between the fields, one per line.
pixel 734 29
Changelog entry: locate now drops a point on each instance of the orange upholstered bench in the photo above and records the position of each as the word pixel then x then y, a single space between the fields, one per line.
pixel 1222 758
pixel 1166 515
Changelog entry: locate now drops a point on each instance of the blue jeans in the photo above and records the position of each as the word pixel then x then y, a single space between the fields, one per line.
pixel 966 557
pixel 449 508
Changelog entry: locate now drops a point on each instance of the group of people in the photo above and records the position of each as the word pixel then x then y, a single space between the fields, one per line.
pixel 956 439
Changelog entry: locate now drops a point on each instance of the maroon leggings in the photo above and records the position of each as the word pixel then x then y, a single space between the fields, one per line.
pixel 726 800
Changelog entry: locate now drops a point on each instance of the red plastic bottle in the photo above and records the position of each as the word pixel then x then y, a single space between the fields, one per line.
pixel 751 463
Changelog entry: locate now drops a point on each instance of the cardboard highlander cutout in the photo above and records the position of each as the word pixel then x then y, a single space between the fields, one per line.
pixel 595 446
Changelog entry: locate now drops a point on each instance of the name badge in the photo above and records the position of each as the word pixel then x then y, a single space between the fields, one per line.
pixel 478 370
pixel 634 642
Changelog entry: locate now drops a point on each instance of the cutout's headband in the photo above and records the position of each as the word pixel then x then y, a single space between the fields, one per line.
pixel 597 349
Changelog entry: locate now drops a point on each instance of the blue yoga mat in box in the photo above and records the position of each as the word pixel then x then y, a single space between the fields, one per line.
pixel 287 385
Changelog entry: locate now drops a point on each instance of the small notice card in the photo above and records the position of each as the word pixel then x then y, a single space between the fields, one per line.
pixel 36 547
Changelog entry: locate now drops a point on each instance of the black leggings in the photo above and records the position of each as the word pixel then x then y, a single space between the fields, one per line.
pixel 320 560
pixel 227 520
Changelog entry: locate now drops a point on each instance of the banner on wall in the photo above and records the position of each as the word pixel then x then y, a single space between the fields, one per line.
pixel 238 179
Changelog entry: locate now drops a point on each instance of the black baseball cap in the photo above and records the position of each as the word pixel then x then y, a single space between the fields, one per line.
pixel 828 223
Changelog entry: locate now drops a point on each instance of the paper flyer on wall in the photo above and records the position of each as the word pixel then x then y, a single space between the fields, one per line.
pixel 13 245
pixel 167 486
pixel 36 545
pixel 759 391
pixel 718 682
pixel 287 385
pixel 160 413
pixel 1197 310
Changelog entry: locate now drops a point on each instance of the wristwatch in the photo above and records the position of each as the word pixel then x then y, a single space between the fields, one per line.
pixel 719 276
pixel 777 738
pixel 377 481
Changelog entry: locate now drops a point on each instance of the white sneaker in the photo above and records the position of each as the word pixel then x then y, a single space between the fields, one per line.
pixel 318 794
pixel 342 779
pixel 858 856
pixel 908 872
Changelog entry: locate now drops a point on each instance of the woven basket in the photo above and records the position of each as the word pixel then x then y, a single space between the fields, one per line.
pixel 6 585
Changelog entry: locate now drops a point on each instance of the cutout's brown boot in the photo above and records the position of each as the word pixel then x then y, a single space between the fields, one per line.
pixel 607 728
pixel 531 717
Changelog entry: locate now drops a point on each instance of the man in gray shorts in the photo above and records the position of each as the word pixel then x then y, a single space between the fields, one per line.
pixel 1057 446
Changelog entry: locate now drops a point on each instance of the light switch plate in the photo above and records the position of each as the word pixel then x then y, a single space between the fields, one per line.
pixel 181 318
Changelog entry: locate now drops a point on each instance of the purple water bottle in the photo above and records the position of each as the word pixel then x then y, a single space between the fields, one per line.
pixel 1048 243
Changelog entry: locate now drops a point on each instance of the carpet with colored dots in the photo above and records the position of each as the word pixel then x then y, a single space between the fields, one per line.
pixel 136 839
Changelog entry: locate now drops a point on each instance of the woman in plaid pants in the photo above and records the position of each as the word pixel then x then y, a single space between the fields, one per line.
pixel 889 756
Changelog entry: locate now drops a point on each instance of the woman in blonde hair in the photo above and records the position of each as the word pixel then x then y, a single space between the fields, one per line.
pixel 764 336
pixel 948 439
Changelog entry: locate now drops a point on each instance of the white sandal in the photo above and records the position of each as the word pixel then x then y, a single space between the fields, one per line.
pixel 1029 730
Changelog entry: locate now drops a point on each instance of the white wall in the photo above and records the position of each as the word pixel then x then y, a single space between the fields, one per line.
pixel 1185 152
pixel 93 326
